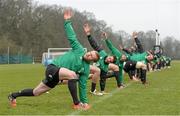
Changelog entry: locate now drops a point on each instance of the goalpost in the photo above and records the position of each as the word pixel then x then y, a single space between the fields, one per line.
pixel 52 53
pixel 157 46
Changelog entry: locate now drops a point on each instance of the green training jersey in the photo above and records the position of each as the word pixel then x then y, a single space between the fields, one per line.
pixel 73 60
pixel 101 62
pixel 118 55
pixel 139 57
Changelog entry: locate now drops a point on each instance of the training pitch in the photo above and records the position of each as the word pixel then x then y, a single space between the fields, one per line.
pixel 160 97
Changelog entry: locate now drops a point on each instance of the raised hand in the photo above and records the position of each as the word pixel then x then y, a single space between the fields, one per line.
pixel 104 35
pixel 67 13
pixel 87 29
pixel 120 47
pixel 134 34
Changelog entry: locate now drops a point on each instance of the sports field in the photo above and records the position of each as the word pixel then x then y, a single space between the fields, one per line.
pixel 160 97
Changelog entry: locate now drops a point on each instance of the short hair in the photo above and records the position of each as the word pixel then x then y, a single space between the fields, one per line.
pixel 114 57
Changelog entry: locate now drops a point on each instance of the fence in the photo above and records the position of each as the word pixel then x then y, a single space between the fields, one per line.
pixel 15 59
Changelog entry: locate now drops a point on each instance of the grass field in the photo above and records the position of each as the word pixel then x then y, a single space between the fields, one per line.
pixel 160 97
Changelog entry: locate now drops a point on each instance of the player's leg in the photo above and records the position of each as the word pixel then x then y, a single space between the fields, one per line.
pixel 95 71
pixel 103 81
pixel 50 81
pixel 143 68
pixel 66 74
pixel 116 71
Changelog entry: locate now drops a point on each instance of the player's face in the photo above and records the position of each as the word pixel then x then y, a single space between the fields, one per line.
pixel 109 59
pixel 123 57
pixel 91 56
pixel 150 57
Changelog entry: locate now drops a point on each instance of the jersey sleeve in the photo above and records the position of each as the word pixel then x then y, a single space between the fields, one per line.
pixel 71 36
pixel 83 84
pixel 113 49
pixel 94 44
pixel 139 45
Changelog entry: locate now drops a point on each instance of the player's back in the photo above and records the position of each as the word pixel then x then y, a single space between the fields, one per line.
pixel 70 60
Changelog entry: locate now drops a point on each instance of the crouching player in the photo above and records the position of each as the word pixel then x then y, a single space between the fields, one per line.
pixel 65 67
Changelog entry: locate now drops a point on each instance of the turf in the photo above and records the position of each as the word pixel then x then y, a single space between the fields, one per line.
pixel 160 97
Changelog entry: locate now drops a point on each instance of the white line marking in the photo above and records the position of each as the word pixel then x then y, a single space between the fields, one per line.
pixel 101 99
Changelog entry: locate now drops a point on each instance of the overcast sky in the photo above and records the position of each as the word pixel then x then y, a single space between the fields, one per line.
pixel 131 15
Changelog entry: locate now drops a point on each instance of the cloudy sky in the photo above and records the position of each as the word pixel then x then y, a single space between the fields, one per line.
pixel 131 15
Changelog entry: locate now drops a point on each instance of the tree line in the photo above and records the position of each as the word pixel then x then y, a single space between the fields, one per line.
pixel 31 28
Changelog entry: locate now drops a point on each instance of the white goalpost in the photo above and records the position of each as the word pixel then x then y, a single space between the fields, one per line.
pixel 157 46
pixel 55 50
pixel 52 53
pixel 157 38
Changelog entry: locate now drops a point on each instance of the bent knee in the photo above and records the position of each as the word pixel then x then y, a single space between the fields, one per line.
pixel 97 71
pixel 36 92
pixel 72 75
pixel 115 68
pixel 141 65
pixel 94 69
pixel 144 67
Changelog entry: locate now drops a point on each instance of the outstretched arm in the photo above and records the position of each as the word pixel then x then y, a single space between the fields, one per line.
pixel 124 49
pixel 138 43
pixel 111 47
pixel 93 42
pixel 71 35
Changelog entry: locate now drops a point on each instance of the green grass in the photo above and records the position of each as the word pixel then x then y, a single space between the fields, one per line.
pixel 160 97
